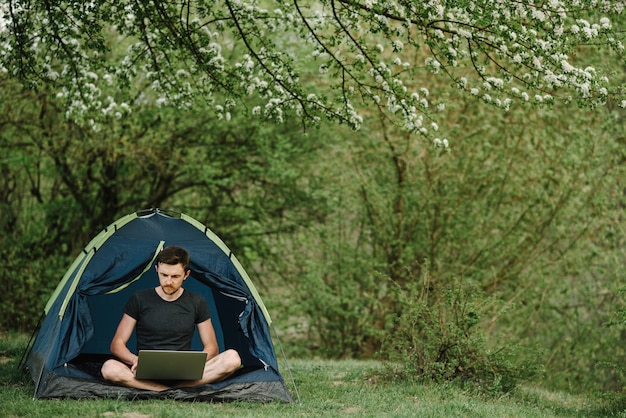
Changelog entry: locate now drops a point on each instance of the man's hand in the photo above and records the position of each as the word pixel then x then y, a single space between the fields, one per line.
pixel 133 364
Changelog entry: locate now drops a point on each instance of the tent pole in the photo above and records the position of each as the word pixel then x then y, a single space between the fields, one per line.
pixel 293 382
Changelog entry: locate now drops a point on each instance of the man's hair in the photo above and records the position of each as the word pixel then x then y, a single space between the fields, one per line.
pixel 173 255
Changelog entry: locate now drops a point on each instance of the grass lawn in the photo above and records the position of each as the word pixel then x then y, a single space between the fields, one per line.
pixel 326 388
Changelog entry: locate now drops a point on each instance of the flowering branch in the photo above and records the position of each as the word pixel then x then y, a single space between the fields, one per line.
pixel 330 58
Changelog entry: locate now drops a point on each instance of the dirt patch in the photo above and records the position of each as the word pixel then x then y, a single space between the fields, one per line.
pixel 351 410
pixel 4 360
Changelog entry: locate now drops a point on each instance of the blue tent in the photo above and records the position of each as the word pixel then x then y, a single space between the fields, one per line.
pixel 83 312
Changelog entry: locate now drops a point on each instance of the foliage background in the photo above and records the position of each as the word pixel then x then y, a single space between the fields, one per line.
pixel 495 260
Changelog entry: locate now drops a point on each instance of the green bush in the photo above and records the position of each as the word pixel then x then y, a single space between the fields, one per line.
pixel 29 282
pixel 437 336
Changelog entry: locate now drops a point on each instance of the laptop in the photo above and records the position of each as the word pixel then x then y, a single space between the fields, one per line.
pixel 170 365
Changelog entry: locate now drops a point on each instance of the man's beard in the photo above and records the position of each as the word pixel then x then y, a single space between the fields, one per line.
pixel 171 292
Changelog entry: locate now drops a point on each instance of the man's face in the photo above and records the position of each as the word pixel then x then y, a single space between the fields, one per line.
pixel 171 277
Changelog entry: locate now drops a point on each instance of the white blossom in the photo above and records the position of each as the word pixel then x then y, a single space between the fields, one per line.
pixel 501 52
pixel 397 45
pixel 441 143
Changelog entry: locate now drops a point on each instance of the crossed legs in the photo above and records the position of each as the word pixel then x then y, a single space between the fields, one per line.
pixel 216 369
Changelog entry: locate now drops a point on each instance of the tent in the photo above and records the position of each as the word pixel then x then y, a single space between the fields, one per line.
pixel 82 314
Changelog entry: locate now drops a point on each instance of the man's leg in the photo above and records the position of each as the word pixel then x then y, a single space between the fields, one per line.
pixel 217 369
pixel 117 372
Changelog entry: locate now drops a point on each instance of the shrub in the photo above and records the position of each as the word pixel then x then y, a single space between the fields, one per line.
pixel 437 336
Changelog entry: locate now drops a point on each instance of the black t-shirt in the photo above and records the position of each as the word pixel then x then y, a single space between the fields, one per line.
pixel 163 325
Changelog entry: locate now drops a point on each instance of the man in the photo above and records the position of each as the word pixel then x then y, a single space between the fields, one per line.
pixel 164 318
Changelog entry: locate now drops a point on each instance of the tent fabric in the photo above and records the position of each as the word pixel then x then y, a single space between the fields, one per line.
pixel 83 312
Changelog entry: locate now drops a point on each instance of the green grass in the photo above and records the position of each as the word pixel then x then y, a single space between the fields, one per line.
pixel 326 388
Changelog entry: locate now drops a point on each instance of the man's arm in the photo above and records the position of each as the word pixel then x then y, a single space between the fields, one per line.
pixel 207 336
pixel 121 337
